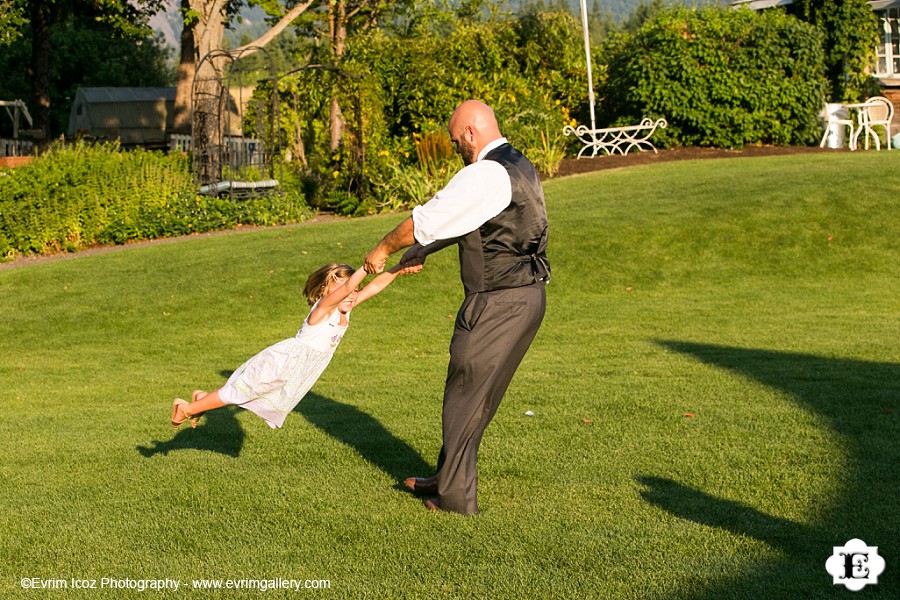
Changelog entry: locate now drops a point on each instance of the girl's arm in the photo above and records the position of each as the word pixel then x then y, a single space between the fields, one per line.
pixel 337 295
pixel 383 280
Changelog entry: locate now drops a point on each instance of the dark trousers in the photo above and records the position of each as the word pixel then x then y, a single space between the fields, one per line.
pixel 492 334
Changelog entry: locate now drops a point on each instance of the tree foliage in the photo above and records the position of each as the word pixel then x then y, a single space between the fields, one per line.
pixel 719 77
pixel 851 31
pixel 12 18
pixel 530 69
pixel 38 20
pixel 95 55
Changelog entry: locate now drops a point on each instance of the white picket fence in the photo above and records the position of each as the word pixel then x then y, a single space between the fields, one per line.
pixel 235 150
pixel 10 147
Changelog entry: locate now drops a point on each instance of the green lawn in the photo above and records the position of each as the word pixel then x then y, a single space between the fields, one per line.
pixel 715 389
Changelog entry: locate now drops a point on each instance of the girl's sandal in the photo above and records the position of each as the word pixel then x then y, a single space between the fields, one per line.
pixel 176 422
pixel 195 419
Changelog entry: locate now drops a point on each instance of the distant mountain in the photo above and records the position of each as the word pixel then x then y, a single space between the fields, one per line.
pixel 168 23
pixel 619 9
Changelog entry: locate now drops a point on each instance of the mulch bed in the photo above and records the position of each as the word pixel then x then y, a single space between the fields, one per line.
pixel 574 166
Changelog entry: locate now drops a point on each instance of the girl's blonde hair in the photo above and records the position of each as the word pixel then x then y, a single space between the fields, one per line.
pixel 319 283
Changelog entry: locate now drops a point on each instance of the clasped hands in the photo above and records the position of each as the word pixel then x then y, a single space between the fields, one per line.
pixel 412 261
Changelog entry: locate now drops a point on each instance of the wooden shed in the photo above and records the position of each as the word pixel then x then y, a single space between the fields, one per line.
pixel 134 116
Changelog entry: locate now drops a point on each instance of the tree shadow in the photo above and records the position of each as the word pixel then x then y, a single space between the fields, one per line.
pixel 857 399
pixel 366 435
pixel 219 431
pixel 700 507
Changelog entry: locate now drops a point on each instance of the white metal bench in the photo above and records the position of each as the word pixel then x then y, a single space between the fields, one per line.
pixel 616 140
pixel 238 187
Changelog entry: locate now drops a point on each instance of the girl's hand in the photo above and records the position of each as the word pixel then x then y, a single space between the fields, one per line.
pixel 409 267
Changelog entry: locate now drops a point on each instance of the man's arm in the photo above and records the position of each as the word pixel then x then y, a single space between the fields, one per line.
pixel 377 285
pixel 477 193
pixel 401 237
pixel 418 253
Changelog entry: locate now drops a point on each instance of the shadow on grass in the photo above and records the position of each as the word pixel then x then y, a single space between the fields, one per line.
pixel 219 431
pixel 694 505
pixel 858 400
pixel 366 435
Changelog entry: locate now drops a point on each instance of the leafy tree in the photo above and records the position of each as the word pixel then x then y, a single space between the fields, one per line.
pixel 124 19
pixel 330 24
pixel 851 32
pixel 719 77
pixel 529 68
pixel 12 18
pixel 95 55
pixel 643 13
pixel 601 23
pixel 203 34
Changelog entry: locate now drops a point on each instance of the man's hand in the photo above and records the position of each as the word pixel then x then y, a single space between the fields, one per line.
pixel 409 267
pixel 375 260
pixel 401 237
pixel 416 255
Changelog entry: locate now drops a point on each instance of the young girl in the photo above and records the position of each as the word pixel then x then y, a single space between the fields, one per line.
pixel 274 381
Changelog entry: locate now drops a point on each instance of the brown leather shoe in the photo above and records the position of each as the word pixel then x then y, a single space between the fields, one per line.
pixel 422 485
pixel 432 504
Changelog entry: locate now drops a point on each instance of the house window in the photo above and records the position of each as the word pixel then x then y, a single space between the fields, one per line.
pixel 888 52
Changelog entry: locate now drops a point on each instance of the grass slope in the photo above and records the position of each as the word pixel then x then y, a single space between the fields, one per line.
pixel 761 296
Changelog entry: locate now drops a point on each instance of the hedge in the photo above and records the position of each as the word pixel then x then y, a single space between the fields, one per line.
pixel 83 194
pixel 723 78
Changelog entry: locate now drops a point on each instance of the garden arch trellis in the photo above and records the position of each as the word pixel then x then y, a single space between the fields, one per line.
pixel 356 159
pixel 225 159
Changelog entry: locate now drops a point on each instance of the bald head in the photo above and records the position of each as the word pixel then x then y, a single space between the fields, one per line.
pixel 473 126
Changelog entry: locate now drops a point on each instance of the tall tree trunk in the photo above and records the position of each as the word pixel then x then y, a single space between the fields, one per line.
pixel 208 94
pixel 185 76
pixel 200 36
pixel 41 26
pixel 337 122
pixel 337 25
pixel 210 29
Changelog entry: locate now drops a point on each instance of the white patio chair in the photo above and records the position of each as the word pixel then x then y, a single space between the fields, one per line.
pixel 876 111
pixel 837 116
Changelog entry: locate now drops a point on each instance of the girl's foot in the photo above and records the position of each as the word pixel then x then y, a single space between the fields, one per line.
pixel 195 419
pixel 179 415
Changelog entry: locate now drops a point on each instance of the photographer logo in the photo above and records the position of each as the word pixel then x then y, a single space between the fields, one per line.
pixel 855 565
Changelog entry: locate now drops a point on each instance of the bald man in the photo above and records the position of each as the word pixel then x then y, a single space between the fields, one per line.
pixel 493 210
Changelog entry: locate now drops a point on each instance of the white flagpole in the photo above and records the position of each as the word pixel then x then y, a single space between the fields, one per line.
pixel 587 54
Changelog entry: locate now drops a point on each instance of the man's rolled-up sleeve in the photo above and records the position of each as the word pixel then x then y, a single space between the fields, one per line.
pixel 477 193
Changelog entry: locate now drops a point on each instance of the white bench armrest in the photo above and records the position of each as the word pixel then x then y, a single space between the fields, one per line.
pixel 616 140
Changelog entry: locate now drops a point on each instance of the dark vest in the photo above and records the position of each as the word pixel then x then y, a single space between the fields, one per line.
pixel 508 251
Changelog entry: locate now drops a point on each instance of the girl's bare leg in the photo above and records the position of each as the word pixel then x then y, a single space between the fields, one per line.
pixel 202 403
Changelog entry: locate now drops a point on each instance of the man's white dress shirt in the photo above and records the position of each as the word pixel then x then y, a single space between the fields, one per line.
pixel 476 194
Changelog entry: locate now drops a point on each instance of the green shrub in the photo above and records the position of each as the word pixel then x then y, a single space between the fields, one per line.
pixel 850 31
pixel 720 78
pixel 530 69
pixel 84 194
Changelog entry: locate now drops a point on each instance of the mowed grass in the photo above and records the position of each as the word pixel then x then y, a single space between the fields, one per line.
pixel 715 389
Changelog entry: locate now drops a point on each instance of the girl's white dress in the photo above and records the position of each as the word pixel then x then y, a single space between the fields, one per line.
pixel 274 381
